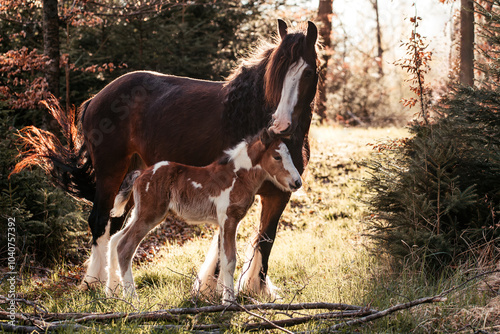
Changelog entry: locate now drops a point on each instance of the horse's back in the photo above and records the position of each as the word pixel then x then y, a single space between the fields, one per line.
pixel 160 117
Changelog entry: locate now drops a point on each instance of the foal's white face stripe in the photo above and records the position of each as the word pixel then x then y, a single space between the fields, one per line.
pixel 158 165
pixel 289 96
pixel 286 159
pixel 239 156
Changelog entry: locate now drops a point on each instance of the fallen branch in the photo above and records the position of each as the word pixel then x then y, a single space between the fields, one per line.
pixel 387 311
pixel 171 314
pixel 344 311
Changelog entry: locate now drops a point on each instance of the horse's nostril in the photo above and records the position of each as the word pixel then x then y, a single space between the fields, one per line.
pixel 287 130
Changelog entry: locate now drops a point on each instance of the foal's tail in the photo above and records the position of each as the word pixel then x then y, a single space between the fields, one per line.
pixel 123 196
pixel 69 166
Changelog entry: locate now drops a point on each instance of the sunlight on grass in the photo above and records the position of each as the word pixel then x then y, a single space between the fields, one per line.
pixel 320 254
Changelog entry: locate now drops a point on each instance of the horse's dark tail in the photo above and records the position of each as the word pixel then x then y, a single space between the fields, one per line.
pixel 124 194
pixel 69 166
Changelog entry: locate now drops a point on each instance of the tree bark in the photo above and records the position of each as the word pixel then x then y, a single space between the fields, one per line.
pixel 51 45
pixel 380 51
pixel 325 10
pixel 467 42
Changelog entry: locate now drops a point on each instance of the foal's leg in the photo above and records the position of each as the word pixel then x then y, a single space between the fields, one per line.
pixel 114 275
pixel 146 218
pixel 254 277
pixel 206 280
pixel 227 251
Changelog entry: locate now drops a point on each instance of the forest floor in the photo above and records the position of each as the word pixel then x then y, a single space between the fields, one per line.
pixel 321 254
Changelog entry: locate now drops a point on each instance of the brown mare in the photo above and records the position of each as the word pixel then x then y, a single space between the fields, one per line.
pixel 220 193
pixel 142 118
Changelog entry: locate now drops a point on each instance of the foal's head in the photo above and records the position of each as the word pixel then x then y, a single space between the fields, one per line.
pixel 272 155
pixel 291 77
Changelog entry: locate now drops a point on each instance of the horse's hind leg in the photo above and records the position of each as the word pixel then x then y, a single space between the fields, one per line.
pixel 114 275
pixel 254 277
pixel 127 240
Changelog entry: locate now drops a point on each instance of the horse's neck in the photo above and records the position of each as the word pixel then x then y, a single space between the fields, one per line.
pixel 251 179
pixel 246 111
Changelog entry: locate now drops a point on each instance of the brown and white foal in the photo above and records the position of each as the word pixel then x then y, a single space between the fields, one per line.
pixel 219 193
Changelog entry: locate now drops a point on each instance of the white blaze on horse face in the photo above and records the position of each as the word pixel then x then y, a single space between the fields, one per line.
pixel 158 165
pixel 289 97
pixel 239 155
pixel 287 162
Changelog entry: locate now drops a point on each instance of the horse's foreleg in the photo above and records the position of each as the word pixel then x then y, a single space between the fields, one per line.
pixel 206 280
pixel 101 225
pixel 96 264
pixel 254 279
pixel 227 256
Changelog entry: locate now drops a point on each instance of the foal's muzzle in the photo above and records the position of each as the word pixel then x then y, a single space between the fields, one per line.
pixel 295 186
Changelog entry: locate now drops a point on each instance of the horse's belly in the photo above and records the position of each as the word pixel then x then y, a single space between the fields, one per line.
pixel 194 212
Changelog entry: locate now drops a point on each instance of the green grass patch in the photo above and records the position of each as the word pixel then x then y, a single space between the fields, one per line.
pixel 320 254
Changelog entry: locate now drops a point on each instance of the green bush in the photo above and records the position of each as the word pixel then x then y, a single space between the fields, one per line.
pixel 49 224
pixel 436 195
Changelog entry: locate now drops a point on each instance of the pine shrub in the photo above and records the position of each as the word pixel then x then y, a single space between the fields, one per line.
pixel 435 197
pixel 49 225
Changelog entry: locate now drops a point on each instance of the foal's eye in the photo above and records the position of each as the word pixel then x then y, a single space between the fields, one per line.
pixel 277 157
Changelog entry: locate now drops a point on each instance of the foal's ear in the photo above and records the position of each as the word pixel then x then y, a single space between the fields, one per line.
pixel 312 34
pixel 266 137
pixel 282 28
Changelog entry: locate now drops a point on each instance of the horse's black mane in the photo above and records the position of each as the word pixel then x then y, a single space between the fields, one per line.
pixel 247 110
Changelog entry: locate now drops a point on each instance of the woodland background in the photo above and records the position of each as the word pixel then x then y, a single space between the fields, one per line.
pixel 431 199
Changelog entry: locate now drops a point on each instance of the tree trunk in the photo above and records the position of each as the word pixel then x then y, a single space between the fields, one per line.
pixel 467 42
pixel 380 51
pixel 51 45
pixel 325 10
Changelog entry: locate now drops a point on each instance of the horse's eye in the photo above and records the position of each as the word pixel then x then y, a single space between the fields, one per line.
pixel 277 157
pixel 308 73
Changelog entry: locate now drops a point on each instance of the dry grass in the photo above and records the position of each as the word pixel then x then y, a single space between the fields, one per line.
pixel 320 254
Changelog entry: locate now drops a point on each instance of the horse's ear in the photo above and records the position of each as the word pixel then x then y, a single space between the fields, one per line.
pixel 312 34
pixel 282 28
pixel 266 137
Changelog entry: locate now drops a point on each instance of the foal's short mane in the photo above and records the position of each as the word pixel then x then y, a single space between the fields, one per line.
pixel 254 87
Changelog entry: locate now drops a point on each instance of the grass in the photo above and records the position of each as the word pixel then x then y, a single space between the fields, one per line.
pixel 320 254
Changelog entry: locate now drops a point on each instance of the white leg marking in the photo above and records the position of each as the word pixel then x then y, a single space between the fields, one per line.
pixel 128 283
pixel 96 271
pixel 205 283
pixel 289 97
pixel 250 281
pixel 226 279
pixel 113 265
